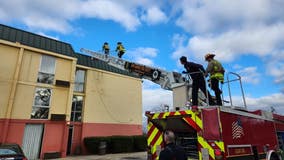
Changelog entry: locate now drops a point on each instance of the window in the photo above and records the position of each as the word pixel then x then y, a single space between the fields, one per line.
pixel 77 105
pixel 79 80
pixel 41 103
pixel 47 69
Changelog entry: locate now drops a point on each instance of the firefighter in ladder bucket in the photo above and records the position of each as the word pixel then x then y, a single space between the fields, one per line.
pixel 196 72
pixel 216 71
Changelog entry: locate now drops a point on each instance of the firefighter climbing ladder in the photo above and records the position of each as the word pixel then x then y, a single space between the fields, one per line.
pixel 116 62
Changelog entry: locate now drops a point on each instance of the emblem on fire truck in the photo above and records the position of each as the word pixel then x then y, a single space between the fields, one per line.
pixel 237 129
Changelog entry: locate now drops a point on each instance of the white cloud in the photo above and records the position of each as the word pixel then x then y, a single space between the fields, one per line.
pixel 144 61
pixel 45 35
pixel 154 15
pixel 156 97
pixel 232 44
pixel 110 10
pixel 250 75
pixel 47 23
pixel 276 67
pixel 40 15
pixel 201 16
pixel 53 15
pixel 146 51
pixel 143 55
pixel 233 29
pixel 274 100
pixel 178 42
pixel 229 45
pixel 147 84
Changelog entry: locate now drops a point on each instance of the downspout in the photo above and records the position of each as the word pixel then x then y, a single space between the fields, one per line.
pixel 68 110
pixel 12 93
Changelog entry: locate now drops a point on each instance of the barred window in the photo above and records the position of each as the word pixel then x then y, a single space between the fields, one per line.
pixel 79 80
pixel 47 70
pixel 41 103
pixel 77 105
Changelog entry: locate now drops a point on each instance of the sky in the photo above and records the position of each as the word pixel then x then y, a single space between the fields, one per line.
pixel 246 37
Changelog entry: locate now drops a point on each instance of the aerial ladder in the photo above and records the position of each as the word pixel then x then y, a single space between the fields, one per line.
pixel 166 79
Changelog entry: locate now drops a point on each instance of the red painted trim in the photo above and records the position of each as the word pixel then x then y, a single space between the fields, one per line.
pixel 5 130
pixel 55 136
pixel 107 129
pixel 53 140
pixel 161 115
pixel 172 113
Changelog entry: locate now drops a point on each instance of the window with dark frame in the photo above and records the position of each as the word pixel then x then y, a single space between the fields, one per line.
pixel 47 70
pixel 41 104
pixel 77 106
pixel 79 80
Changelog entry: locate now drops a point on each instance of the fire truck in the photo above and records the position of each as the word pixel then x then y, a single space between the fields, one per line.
pixel 210 132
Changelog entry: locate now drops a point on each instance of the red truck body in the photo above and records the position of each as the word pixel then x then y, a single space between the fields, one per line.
pixel 219 133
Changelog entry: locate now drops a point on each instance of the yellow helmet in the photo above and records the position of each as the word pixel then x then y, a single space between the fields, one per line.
pixel 209 55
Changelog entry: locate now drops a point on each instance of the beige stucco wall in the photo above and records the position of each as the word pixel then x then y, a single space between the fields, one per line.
pixel 9 56
pixel 26 81
pixel 112 98
pixel 30 67
pixel 22 105
pixel 63 69
pixel 59 101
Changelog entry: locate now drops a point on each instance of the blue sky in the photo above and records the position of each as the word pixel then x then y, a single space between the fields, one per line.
pixel 246 36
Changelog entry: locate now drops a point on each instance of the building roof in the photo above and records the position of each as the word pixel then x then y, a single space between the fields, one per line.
pixel 37 41
pixel 33 40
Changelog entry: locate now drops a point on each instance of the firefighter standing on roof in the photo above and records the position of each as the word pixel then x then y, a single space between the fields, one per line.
pixel 216 71
pixel 120 49
pixel 196 72
pixel 105 49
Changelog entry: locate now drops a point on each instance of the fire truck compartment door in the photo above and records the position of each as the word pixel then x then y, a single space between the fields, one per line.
pixel 211 125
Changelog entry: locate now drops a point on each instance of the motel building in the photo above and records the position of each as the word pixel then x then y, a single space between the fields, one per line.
pixel 52 97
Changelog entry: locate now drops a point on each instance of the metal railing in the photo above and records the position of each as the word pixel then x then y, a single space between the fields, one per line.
pixel 238 78
pixel 229 81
